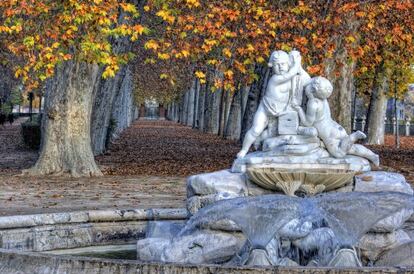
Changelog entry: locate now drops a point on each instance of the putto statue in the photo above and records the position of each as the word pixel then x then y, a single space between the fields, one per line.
pixel 318 115
pixel 286 84
pixel 291 132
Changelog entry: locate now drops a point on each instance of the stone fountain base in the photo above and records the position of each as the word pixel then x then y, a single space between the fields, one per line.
pixel 205 189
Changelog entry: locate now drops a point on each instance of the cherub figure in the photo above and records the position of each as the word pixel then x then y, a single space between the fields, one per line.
pixel 318 115
pixel 279 93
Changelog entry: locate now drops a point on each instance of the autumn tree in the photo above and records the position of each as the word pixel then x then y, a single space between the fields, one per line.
pixel 231 38
pixel 388 45
pixel 61 44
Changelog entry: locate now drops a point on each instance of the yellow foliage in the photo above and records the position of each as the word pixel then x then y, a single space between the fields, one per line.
pixel 152 44
pixel 227 52
pixel 163 56
pixel 200 75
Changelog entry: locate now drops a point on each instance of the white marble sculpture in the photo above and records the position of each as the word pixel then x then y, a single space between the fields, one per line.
pixel 285 85
pixel 318 115
pixel 296 136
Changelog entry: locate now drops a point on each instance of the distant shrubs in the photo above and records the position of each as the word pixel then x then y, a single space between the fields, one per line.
pixel 31 132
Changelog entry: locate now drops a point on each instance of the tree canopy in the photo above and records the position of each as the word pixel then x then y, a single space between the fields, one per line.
pixel 226 37
pixel 230 37
pixel 42 34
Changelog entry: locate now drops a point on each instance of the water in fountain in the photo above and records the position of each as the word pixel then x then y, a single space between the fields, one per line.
pixel 259 219
pixel 318 226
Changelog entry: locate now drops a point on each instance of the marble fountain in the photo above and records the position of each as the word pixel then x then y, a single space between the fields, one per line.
pixel 307 200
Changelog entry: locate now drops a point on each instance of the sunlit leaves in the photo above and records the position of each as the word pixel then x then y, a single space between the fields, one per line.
pixel 40 39
pixel 201 76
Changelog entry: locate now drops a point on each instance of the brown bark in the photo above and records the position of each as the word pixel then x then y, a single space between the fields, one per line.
pixel 223 112
pixel 375 127
pixel 66 140
pixel 341 98
pixel 256 93
pixel 233 126
pixel 196 104
pixel 201 107
pixel 142 111
pixel 161 112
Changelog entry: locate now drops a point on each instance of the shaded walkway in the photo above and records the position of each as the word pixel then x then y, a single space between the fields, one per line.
pixel 144 168
pixel 14 156
pixel 165 148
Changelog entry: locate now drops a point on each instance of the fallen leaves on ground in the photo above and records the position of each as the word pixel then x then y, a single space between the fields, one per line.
pixel 397 159
pixel 164 148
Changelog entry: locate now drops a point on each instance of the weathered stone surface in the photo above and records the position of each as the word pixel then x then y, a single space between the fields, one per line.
pixel 309 178
pixel 345 258
pixel 402 256
pixel 347 188
pixel 295 149
pixel 42 232
pixel 409 228
pixel 203 247
pixel 12 262
pixel 393 222
pixel 316 156
pixel 194 203
pixel 52 237
pixel 151 249
pixel 288 123
pixel 376 181
pixel 259 157
pixel 163 229
pixel 282 140
pixel 217 182
pixel 373 244
pixel 355 163
pixel 224 225
pixel 255 190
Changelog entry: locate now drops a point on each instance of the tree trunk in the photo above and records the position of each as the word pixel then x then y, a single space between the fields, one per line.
pixel 222 102
pixel 207 109
pixel 256 93
pixel 190 105
pixel 201 107
pixel 376 113
pixel 123 107
pixel 66 139
pixel 233 127
pixel 196 104
pixel 177 112
pixel 215 111
pixel 341 98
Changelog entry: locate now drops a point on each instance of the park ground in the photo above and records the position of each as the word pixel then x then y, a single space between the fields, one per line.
pixel 146 167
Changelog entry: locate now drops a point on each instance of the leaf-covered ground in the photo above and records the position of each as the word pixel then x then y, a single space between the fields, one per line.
pixel 164 148
pixel 399 160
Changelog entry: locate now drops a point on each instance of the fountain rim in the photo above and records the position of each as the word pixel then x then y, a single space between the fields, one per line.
pixel 203 268
pixel 119 215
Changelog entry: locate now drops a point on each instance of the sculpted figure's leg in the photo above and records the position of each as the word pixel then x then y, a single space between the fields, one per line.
pixel 334 148
pixel 360 150
pixel 357 135
pixel 260 122
pixel 348 141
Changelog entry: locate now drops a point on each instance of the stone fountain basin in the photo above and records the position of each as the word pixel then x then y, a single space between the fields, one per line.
pixel 308 178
